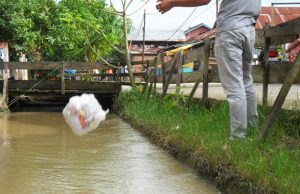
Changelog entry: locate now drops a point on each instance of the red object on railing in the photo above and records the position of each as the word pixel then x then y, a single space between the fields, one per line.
pixel 273 53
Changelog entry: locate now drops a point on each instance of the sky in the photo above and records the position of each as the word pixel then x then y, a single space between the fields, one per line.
pixel 171 25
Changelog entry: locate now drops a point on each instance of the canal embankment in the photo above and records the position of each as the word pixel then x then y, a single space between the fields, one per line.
pixel 200 137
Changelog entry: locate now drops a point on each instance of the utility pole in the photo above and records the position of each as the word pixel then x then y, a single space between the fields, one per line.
pixel 143 55
pixel 217 8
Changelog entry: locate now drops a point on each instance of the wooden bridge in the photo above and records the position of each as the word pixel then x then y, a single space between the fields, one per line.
pixel 51 82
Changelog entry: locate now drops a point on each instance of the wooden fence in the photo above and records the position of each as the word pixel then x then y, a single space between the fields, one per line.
pixel 281 34
pixel 52 79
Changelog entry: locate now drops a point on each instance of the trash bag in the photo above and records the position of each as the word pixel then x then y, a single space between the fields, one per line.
pixel 84 114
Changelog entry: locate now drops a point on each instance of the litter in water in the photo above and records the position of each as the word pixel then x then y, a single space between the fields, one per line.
pixel 84 114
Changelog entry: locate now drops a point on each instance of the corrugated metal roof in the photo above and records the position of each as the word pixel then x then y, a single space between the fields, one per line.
pixel 281 15
pixel 276 15
pixel 203 36
pixel 196 27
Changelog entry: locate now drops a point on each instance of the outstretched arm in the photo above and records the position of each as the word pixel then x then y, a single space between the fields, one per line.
pixel 165 5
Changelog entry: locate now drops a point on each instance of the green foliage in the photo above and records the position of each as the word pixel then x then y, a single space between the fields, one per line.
pixel 64 30
pixel 26 23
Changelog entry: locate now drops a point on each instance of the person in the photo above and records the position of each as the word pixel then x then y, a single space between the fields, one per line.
pixel 293 50
pixel 234 44
pixel 1 54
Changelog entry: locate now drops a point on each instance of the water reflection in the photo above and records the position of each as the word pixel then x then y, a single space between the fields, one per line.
pixel 44 156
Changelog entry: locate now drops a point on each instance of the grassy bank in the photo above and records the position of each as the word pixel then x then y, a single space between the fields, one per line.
pixel 201 137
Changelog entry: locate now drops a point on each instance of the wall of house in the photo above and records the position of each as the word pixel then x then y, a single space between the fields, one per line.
pixel 139 57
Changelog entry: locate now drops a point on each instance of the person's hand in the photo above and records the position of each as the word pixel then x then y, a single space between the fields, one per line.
pixel 164 5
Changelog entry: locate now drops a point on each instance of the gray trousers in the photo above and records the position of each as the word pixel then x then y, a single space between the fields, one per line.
pixel 234 53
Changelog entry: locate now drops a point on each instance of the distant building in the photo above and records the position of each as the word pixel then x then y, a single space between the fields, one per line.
pixel 151 48
pixel 276 15
pixel 196 31
pixel 271 15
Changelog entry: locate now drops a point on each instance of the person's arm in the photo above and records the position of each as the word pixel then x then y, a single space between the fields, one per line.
pixel 165 5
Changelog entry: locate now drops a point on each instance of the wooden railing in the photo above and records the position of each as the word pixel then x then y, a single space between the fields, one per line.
pixel 281 34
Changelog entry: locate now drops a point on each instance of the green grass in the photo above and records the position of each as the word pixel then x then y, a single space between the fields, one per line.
pixel 203 131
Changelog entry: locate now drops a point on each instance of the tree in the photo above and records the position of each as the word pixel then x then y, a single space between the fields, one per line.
pixel 64 30
pixel 124 14
pixel 25 24
pixel 86 28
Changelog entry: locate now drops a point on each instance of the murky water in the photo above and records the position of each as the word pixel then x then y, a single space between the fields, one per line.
pixel 40 154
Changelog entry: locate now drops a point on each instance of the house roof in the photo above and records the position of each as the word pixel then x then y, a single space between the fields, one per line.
pixel 195 27
pixel 202 36
pixel 280 15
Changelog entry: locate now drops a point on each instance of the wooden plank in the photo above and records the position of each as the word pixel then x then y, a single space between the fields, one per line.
pixel 192 56
pixel 146 77
pixel 205 70
pixel 5 85
pixel 162 60
pixel 291 27
pixel 54 65
pixel 141 74
pixel 205 53
pixel 138 62
pixel 165 89
pixel 292 75
pixel 118 79
pixel 62 78
pixel 266 71
pixel 260 39
pixel 151 81
pixel 189 100
pixel 179 62
pixel 24 85
pixel 283 39
pixel 33 65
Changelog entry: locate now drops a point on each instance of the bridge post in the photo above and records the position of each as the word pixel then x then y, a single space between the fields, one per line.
pixel 4 46
pixel 118 78
pixel 63 86
pixel 146 77
pixel 5 86
pixel 162 62
pixel 266 66
pixel 205 70
pixel 180 62
pixel 151 82
pixel 168 80
pixel 290 79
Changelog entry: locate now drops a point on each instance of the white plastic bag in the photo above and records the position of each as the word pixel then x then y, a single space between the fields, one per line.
pixel 84 113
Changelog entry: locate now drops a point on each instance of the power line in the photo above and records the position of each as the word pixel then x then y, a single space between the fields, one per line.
pixel 207 9
pixel 183 23
pixel 137 32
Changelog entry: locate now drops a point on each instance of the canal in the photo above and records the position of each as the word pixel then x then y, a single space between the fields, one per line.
pixel 40 154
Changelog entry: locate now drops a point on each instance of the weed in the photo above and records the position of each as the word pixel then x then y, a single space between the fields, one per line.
pixel 205 133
